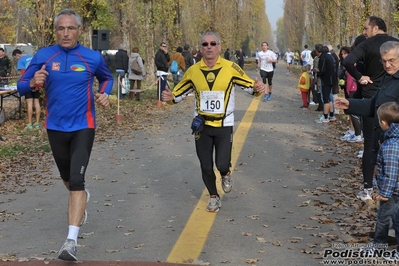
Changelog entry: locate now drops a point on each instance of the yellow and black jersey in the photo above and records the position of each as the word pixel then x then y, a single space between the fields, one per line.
pixel 214 90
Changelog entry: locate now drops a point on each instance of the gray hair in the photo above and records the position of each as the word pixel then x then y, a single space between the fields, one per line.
pixel 210 33
pixel 69 12
pixel 122 46
pixel 388 46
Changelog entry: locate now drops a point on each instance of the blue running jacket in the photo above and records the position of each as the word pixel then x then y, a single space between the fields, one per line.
pixel 69 85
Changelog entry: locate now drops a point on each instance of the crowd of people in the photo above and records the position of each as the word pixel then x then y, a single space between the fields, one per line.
pixel 367 73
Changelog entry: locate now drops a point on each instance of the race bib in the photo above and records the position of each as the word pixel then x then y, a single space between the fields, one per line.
pixel 212 102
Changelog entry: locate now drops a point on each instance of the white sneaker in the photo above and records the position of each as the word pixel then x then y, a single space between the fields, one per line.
pixel 346 136
pixel 312 103
pixel 365 194
pixel 227 183
pixel 332 118
pixel 214 204
pixel 354 138
pixel 321 120
pixel 360 154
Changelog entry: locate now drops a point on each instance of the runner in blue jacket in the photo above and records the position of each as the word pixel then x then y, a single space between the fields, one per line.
pixel 67 71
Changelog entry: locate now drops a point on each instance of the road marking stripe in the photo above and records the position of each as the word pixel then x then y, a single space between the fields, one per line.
pixel 191 241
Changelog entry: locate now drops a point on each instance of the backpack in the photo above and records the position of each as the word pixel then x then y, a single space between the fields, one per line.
pixel 135 67
pixel 174 67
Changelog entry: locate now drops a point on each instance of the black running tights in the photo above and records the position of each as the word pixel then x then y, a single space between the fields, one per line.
pixel 220 139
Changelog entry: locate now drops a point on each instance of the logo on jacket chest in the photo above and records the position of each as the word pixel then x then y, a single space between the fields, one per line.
pixel 210 77
pixel 78 68
pixel 56 66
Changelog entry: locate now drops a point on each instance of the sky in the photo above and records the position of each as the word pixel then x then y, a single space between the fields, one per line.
pixel 274 11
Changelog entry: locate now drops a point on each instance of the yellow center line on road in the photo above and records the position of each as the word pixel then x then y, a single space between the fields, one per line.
pixel 191 241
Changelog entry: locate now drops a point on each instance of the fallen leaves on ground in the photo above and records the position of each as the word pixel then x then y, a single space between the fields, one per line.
pixel 25 155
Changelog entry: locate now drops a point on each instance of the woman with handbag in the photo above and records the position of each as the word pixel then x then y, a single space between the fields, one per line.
pixel 136 73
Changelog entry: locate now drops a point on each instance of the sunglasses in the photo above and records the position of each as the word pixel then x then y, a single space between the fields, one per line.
pixel 205 44
pixel 163 46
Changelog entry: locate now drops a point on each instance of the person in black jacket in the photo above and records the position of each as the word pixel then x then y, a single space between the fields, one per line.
pixel 388 91
pixel 188 57
pixel 5 66
pixel 107 58
pixel 227 54
pixel 368 51
pixel 240 58
pixel 121 66
pixel 326 74
pixel 161 62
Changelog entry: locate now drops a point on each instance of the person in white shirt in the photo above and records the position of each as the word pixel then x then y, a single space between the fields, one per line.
pixel 289 57
pixel 306 57
pixel 266 58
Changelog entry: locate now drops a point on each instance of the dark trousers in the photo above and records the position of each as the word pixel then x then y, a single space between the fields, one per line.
pixel 367 162
pixel 220 139
pixel 387 211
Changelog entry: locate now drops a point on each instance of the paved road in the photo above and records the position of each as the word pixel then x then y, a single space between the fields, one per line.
pixel 144 189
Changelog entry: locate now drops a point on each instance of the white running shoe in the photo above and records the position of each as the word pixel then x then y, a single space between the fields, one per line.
pixel 354 138
pixel 322 120
pixel 332 118
pixel 227 183
pixel 365 194
pixel 68 251
pixel 214 204
pixel 346 136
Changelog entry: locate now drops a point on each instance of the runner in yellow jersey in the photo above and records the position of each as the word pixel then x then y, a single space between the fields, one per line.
pixel 212 80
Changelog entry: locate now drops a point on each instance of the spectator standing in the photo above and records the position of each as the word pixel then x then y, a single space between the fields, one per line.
pixel 188 57
pixel 216 133
pixel 180 62
pixel 368 52
pixel 297 58
pixel 198 56
pixel 304 85
pixel 194 53
pixel 161 62
pixel 387 92
pixel 121 66
pixel 107 58
pixel 31 98
pixel 23 60
pixel 233 56
pixel 313 100
pixel 240 58
pixel 227 54
pixel 354 134
pixel 335 89
pixel 327 75
pixel 388 177
pixel 266 58
pixel 5 67
pixel 136 78
pixel 67 71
